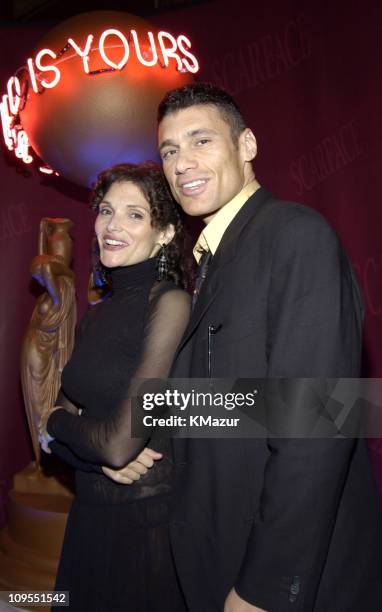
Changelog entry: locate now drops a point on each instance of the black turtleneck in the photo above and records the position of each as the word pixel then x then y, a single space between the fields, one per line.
pixel 138 274
pixel 133 333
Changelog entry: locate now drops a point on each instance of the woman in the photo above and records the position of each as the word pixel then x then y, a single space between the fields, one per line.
pixel 116 553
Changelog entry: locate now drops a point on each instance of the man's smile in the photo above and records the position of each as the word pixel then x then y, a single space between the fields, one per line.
pixel 193 187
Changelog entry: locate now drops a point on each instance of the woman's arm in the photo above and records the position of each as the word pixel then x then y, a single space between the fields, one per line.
pixel 108 441
pixel 61 450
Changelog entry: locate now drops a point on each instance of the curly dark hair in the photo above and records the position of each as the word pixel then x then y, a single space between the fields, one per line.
pixel 149 177
pixel 204 94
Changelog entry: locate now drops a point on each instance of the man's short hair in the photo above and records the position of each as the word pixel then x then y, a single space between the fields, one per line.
pixel 204 94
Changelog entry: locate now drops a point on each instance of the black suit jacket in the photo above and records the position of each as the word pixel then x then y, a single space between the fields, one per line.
pixel 293 524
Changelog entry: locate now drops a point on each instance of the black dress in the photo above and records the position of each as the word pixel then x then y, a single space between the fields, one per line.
pixel 116 553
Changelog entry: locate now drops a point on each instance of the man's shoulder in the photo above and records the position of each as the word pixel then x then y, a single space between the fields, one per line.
pixel 286 210
pixel 287 216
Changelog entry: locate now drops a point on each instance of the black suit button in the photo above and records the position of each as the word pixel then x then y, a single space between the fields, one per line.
pixel 294 589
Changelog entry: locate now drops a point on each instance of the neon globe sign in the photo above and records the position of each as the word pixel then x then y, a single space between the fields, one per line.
pixel 136 52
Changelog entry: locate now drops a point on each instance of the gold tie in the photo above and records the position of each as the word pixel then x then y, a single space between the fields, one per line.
pixel 204 263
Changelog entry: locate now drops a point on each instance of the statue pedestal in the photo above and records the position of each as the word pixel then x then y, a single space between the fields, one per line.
pixel 33 479
pixel 30 544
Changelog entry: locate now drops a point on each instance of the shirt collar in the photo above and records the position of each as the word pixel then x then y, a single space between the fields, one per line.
pixel 212 234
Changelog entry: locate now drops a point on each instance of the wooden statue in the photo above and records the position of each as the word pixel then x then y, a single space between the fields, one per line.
pixel 49 339
pixel 39 502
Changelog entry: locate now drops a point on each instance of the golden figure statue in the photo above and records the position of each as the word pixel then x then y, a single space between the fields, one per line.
pixel 38 503
pixel 49 340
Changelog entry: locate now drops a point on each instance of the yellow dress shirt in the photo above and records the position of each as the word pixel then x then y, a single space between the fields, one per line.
pixel 212 234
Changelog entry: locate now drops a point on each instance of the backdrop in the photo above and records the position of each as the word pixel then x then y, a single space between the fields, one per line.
pixel 307 76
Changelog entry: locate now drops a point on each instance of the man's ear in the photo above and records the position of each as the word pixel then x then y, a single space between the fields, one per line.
pixel 168 234
pixel 248 144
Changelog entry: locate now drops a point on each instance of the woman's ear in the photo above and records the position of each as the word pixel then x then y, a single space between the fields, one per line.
pixel 168 234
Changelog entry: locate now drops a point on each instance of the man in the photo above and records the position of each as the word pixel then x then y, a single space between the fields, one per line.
pixel 265 524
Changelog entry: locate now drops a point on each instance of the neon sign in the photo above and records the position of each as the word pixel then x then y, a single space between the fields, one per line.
pixel 15 137
pixel 42 74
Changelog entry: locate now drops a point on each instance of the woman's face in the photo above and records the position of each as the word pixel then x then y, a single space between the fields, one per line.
pixel 123 227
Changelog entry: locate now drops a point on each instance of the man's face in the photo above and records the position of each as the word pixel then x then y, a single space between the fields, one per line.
pixel 204 167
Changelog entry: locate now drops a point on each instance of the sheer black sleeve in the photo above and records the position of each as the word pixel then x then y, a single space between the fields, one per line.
pixel 61 450
pixel 108 441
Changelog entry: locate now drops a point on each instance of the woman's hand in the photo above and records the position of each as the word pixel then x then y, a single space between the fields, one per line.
pixel 43 437
pixel 135 469
pixel 234 603
pixel 44 420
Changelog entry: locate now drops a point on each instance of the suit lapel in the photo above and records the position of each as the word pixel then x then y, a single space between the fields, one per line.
pixel 225 252
pixel 207 295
